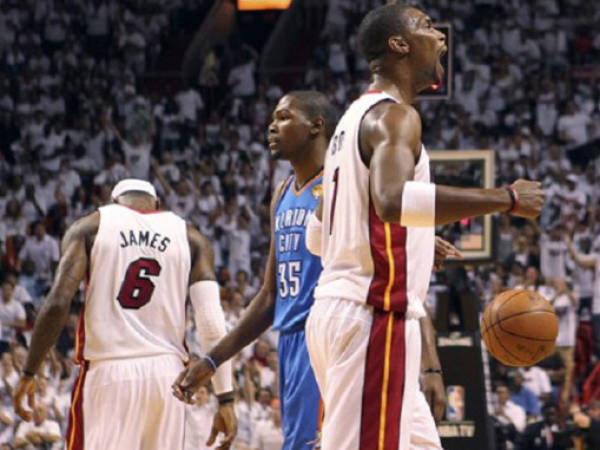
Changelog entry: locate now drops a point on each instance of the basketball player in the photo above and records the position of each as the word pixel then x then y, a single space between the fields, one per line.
pixel 376 241
pixel 302 124
pixel 138 263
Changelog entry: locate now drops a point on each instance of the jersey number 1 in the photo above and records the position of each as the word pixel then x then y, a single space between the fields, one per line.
pixel 137 288
pixel 334 198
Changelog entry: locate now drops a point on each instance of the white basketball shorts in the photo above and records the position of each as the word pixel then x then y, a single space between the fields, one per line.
pixel 367 363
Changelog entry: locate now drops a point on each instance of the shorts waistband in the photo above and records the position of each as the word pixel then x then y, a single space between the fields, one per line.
pixel 132 360
pixel 294 329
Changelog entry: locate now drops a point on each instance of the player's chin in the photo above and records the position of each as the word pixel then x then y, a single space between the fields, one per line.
pixel 437 74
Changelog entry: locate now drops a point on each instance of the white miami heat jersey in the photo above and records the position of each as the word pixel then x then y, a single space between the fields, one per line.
pixel 365 259
pixel 138 282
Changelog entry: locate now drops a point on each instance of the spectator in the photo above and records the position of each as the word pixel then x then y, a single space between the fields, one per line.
pixel 198 418
pixel 137 153
pixel 565 304
pixel 241 76
pixel 190 104
pixel 20 293
pixel 43 249
pixel 40 433
pixel 543 435
pixel 268 434
pixel 589 262
pixel 10 377
pixel 537 381
pixel 522 396
pixel 12 313
pixel 508 412
pixel 573 125
pixel 14 222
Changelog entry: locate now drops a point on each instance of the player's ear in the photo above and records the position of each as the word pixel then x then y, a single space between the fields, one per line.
pixel 318 125
pixel 398 44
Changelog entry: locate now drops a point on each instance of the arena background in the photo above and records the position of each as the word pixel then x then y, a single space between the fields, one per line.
pixel 180 92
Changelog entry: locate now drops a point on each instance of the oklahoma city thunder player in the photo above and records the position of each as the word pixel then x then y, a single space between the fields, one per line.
pixel 377 243
pixel 302 124
pixel 139 263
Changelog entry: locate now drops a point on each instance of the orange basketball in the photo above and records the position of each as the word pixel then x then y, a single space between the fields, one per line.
pixel 519 327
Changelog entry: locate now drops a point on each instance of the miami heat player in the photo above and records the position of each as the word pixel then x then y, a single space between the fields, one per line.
pixel 130 343
pixel 376 242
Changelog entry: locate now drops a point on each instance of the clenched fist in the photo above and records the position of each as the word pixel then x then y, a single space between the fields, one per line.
pixel 530 198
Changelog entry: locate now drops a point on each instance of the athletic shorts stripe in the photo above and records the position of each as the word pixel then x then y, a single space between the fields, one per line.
pixel 384 382
pixel 387 290
pixel 75 428
pixel 80 335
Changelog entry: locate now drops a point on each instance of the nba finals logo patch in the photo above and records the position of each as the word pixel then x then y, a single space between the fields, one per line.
pixel 317 191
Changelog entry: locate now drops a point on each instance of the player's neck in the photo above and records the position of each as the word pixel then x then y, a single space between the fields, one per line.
pixel 138 203
pixel 309 165
pixel 397 82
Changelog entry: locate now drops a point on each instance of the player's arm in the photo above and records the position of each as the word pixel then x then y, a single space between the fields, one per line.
pixel 431 369
pixel 391 141
pixel 256 319
pixel 585 261
pixel 210 327
pixel 55 310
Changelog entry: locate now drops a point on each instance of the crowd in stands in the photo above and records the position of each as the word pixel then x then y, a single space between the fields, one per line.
pixel 74 120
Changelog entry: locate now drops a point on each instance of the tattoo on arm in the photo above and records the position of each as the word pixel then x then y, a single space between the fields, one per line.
pixel 71 271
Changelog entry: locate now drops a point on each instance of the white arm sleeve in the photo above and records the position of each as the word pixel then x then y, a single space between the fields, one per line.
pixel 210 326
pixel 314 233
pixel 418 204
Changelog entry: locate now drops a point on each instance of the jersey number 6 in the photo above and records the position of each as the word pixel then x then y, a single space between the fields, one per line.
pixel 137 288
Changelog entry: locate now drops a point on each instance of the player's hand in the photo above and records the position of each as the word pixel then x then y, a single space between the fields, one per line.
pixel 443 250
pixel 25 388
pixel 197 373
pixel 435 394
pixel 531 198
pixel 224 422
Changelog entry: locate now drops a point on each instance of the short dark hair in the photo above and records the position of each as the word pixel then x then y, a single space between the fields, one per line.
pixel 315 104
pixel 377 27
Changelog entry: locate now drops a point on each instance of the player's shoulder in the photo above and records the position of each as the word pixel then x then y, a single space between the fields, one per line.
pixel 392 114
pixel 279 190
pixel 85 226
pixel 83 230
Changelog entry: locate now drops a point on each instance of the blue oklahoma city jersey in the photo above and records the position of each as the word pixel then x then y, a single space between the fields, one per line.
pixel 297 269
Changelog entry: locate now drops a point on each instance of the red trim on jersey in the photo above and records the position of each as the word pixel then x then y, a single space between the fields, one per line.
pixel 381 263
pixel 373 91
pixel 144 211
pixel 383 392
pixel 75 428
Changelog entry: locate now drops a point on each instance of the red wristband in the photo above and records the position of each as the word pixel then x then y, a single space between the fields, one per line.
pixel 515 204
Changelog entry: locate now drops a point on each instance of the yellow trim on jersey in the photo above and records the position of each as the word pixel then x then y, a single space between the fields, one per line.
pixel 390 255
pixel 76 395
pixel 386 380
pixel 307 183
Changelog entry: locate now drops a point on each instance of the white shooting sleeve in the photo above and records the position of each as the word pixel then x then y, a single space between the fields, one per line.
pixel 210 326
